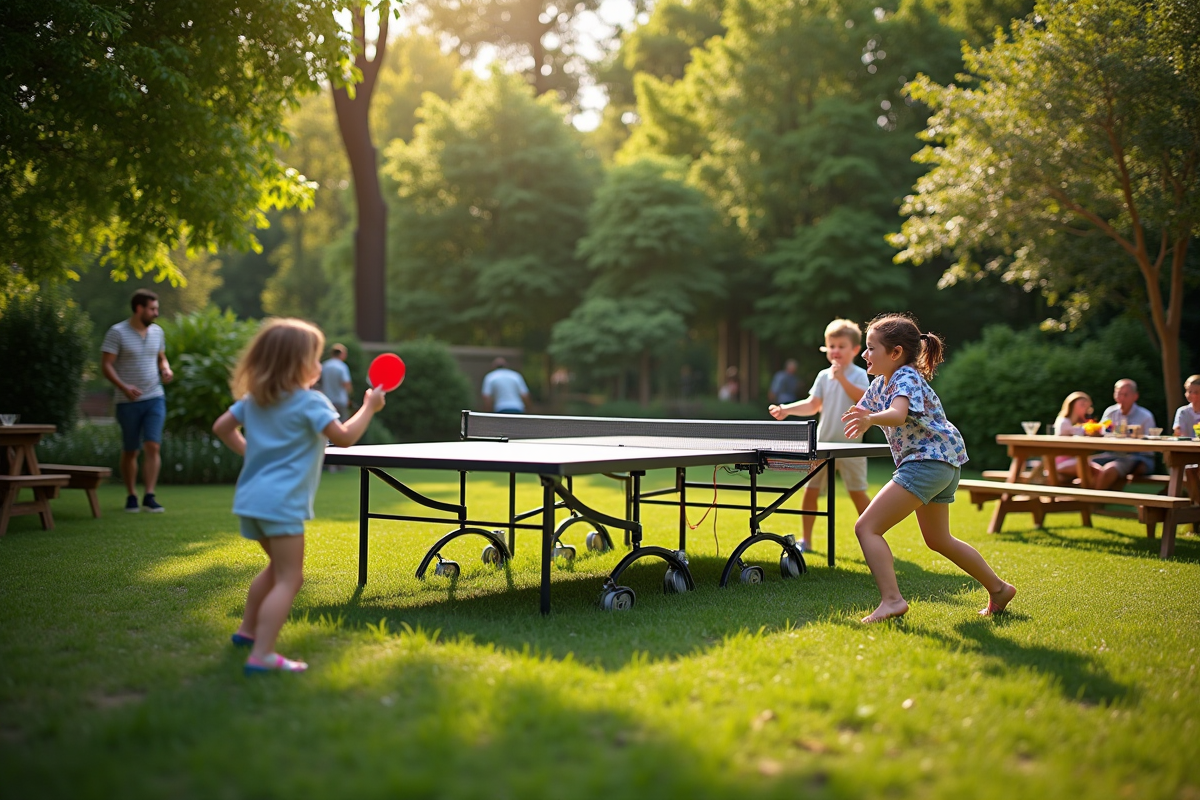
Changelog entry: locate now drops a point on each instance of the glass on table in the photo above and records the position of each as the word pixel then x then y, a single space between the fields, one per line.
pixel 1031 427
pixel 9 419
pixel 1154 433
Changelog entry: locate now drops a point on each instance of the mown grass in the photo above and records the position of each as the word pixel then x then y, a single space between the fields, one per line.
pixel 117 680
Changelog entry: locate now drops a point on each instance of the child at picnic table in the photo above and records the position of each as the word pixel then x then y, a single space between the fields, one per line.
pixel 283 429
pixel 1187 416
pixel 929 454
pixel 1076 409
pixel 835 389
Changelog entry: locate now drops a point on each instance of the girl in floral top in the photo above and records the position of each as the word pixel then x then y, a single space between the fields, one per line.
pixel 929 453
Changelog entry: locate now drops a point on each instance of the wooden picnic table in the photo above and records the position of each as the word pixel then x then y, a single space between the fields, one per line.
pixel 19 469
pixel 1179 504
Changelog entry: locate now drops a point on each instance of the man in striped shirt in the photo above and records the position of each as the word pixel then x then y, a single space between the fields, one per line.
pixel 133 358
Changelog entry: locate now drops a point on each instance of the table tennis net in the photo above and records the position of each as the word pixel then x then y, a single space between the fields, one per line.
pixel 791 438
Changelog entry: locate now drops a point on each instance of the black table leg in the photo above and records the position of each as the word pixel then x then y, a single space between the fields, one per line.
pixel 364 493
pixel 547 539
pixel 831 483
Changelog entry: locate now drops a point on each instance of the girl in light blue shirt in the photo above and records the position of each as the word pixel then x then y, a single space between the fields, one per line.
pixel 280 426
pixel 929 453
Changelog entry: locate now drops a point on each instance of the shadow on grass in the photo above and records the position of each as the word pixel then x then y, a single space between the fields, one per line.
pixel 1107 540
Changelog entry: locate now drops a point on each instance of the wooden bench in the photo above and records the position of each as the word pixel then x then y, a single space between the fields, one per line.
pixel 86 478
pixel 43 487
pixel 1152 508
pixel 1029 475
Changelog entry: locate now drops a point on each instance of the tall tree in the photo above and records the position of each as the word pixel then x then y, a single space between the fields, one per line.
pixel 540 38
pixel 131 128
pixel 493 194
pixel 1069 162
pixel 654 247
pixel 353 104
pixel 797 130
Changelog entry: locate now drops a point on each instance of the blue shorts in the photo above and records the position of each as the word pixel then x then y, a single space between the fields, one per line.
pixel 259 529
pixel 930 481
pixel 141 420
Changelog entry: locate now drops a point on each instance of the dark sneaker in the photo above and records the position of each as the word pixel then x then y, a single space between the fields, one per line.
pixel 131 504
pixel 152 505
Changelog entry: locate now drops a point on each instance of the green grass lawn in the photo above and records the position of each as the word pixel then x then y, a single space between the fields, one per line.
pixel 117 678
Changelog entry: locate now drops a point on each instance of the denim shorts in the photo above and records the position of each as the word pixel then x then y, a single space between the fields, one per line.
pixel 930 481
pixel 259 529
pixel 141 420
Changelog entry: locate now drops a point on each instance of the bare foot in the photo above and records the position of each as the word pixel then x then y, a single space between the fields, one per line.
pixel 887 610
pixel 999 600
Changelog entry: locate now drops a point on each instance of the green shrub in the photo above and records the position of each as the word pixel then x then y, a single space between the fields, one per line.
pixel 427 407
pixel 203 348
pixel 189 456
pixel 988 387
pixel 44 346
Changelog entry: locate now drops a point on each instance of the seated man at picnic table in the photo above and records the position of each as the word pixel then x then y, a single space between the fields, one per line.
pixel 1126 410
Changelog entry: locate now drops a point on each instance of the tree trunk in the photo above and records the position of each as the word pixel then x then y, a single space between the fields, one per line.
pixel 370 235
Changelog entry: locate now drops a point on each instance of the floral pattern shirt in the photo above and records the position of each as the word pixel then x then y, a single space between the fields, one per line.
pixel 925 434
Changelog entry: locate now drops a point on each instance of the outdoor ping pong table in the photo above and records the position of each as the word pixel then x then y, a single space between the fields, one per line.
pixel 556 449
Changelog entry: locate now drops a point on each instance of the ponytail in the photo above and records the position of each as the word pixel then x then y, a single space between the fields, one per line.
pixel 932 354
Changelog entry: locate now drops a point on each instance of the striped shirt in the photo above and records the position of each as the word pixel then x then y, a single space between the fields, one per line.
pixel 137 358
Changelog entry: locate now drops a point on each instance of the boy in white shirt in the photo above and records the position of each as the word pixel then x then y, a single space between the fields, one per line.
pixel 834 391
pixel 1188 416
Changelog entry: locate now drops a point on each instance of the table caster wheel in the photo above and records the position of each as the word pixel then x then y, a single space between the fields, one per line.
pixel 492 555
pixel 752 574
pixel 448 569
pixel 564 551
pixel 790 567
pixel 617 598
pixel 596 542
pixel 674 582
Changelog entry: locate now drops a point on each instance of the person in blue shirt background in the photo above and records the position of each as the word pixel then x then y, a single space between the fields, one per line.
pixel 280 426
pixel 504 390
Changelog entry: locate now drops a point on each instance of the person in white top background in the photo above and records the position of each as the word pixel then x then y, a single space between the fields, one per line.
pixel 133 358
pixel 835 390
pixel 504 390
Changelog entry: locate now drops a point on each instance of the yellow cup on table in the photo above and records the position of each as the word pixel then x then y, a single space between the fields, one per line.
pixel 1196 430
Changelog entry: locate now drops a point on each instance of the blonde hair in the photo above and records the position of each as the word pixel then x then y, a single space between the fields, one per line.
pixel 924 350
pixel 1192 380
pixel 846 328
pixel 279 359
pixel 1065 411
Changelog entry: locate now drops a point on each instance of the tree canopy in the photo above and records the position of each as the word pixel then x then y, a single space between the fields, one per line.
pixel 130 128
pixel 1067 162
pixel 491 196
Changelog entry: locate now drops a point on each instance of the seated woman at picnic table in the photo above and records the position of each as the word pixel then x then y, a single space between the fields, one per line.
pixel 1076 409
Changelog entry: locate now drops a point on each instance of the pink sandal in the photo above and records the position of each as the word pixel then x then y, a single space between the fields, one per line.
pixel 272 663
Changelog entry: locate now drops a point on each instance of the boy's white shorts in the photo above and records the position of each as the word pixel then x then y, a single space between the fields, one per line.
pixel 852 470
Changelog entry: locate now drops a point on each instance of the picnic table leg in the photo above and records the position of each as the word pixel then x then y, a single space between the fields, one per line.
pixel 1083 468
pixel 6 504
pixel 1001 509
pixel 41 499
pixel 1168 541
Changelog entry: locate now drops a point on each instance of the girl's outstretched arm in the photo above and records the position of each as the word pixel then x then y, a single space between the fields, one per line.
pixel 340 435
pixel 859 419
pixel 227 430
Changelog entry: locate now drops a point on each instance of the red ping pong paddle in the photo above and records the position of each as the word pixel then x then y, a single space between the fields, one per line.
pixel 386 372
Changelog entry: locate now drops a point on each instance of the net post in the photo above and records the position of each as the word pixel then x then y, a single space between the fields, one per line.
pixel 462 424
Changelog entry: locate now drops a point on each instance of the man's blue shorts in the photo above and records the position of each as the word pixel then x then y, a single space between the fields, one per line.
pixel 141 420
